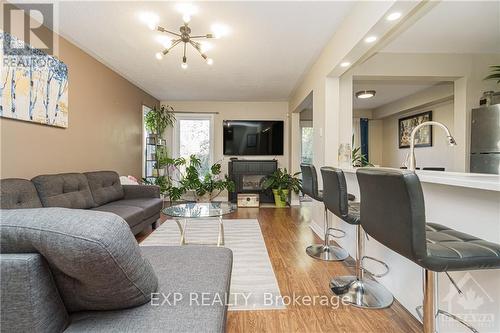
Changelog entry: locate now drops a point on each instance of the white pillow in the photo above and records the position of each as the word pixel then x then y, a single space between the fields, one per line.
pixel 128 180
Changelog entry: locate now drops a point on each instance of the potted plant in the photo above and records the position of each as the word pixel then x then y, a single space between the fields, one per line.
pixel 158 119
pixel 205 187
pixel 281 182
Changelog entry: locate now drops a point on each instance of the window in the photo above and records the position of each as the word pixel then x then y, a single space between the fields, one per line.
pixel 147 166
pixel 306 151
pixel 193 135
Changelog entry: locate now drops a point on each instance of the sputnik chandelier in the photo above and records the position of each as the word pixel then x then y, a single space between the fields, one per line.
pixel 184 37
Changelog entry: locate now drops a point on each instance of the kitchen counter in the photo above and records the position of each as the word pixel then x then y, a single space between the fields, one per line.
pixel 469 203
pixel 478 181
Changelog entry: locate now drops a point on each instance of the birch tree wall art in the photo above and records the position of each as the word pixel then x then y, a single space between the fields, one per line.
pixel 33 85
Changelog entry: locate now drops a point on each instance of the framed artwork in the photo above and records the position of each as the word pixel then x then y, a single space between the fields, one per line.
pixel 33 87
pixel 423 137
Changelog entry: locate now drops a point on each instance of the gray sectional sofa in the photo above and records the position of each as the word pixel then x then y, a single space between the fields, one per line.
pixel 138 205
pixel 80 269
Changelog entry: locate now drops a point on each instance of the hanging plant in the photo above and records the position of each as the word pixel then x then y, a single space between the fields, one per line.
pixel 158 119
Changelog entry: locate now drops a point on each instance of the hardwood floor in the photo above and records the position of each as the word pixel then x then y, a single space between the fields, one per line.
pixel 287 234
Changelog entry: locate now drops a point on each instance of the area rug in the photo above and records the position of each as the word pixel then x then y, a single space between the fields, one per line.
pixel 253 283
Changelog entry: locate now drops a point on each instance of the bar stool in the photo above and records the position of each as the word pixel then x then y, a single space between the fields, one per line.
pixel 393 212
pixel 356 290
pixel 323 251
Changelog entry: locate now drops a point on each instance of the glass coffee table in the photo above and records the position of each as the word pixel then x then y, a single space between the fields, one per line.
pixel 194 210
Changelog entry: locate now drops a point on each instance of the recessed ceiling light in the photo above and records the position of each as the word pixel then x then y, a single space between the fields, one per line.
pixel 364 94
pixel 370 39
pixel 345 64
pixel 393 16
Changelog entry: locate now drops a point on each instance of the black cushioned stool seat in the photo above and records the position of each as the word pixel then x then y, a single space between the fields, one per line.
pixel 393 212
pixel 323 251
pixel 452 250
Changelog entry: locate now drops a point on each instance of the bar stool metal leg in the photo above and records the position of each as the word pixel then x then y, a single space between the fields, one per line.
pixel 326 251
pixel 429 306
pixel 357 290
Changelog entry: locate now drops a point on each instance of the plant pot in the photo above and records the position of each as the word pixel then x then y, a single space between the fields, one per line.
pixel 277 198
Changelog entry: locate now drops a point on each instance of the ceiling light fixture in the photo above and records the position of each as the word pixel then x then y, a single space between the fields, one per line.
pixel 370 39
pixel 364 94
pixel 219 30
pixel 345 64
pixel 393 16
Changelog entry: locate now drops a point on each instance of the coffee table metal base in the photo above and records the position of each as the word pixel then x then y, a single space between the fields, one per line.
pixel 182 224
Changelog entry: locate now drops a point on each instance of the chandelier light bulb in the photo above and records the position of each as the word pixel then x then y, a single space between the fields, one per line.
pixel 186 18
pixel 220 30
pixel 187 9
pixel 150 19
pixel 184 65
pixel 165 41
pixel 206 46
pixel 159 55
pixel 210 61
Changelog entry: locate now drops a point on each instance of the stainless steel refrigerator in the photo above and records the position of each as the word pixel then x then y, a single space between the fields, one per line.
pixel 485 140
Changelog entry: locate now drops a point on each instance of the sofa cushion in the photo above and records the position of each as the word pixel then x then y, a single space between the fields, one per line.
pixel 95 259
pixel 18 193
pixel 68 190
pixel 150 206
pixel 131 214
pixel 187 270
pixel 30 300
pixel 105 186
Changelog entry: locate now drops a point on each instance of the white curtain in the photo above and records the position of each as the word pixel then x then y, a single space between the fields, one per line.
pixel 356 132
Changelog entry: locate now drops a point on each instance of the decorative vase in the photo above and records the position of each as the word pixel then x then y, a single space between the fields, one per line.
pixel 277 198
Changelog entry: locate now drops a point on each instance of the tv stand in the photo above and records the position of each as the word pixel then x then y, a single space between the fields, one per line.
pixel 248 176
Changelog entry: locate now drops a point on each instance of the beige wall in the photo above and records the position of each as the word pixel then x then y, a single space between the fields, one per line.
pixel 439 155
pixel 105 125
pixel 237 111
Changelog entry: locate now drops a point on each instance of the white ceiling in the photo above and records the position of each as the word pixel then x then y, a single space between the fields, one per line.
pixel 271 45
pixel 453 27
pixel 386 91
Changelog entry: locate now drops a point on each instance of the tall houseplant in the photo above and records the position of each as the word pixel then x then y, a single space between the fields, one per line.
pixel 281 182
pixel 158 119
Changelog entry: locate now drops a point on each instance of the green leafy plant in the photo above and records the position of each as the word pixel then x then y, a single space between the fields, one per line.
pixel 281 181
pixel 213 184
pixel 358 159
pixel 495 74
pixel 158 119
pixel 183 175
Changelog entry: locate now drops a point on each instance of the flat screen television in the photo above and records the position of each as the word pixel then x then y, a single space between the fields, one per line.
pixel 251 137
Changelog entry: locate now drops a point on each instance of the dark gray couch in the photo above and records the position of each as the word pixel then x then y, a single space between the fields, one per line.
pixel 77 270
pixel 138 205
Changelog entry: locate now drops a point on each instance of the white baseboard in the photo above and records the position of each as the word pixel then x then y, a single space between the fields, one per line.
pixel 317 229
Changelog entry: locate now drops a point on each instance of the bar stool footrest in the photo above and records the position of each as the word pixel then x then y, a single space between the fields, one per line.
pixel 419 310
pixel 342 232
pixel 378 261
